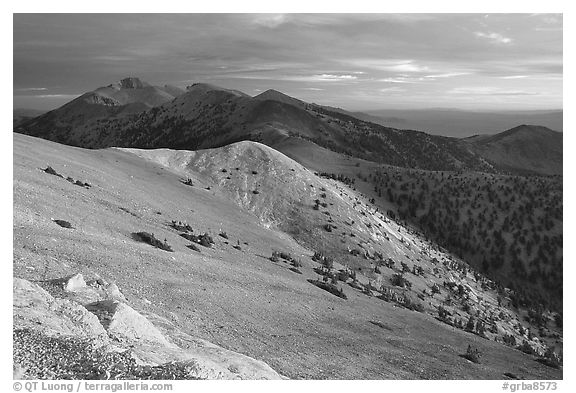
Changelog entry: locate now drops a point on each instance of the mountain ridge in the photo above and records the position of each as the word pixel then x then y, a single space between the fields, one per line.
pixel 206 116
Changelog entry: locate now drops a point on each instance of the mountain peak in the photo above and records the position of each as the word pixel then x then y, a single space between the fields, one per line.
pixel 276 95
pixel 207 87
pixel 271 93
pixel 530 128
pixel 131 83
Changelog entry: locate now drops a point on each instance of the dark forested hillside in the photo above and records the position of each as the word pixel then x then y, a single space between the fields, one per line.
pixel 509 227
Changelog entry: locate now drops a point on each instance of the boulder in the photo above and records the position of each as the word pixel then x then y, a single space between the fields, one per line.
pixel 123 323
pixel 74 283
pixel 119 327
pixel 34 308
pixel 113 292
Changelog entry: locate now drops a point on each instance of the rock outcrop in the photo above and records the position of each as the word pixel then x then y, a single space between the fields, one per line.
pixel 97 314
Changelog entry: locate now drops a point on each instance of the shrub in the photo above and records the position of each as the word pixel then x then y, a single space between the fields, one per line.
pixel 526 348
pixel 472 354
pixel 367 289
pixel 406 302
pixel 296 263
pixel 558 320
pixel 193 247
pixel 64 224
pixel 343 275
pixel 205 240
pixel 189 236
pixel 405 268
pixel 333 289
pixel 509 340
pixel 442 313
pixel 295 270
pixel 551 358
pixel 399 280
pixel 49 170
pixel 327 263
pixel 182 227
pixel 470 325
pixel 151 239
pixel 354 284
pixel 480 328
pixel 224 235
pixel 381 325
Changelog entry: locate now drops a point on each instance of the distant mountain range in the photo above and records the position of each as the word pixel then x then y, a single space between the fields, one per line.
pixel 532 148
pixel 20 115
pixel 462 123
pixel 132 113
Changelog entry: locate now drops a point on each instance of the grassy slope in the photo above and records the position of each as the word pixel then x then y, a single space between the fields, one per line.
pixel 237 299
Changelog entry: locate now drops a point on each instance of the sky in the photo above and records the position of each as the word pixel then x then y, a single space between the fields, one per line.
pixel 353 61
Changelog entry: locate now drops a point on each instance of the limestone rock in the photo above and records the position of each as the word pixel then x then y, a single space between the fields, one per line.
pixel 74 283
pixel 35 308
pixel 123 323
pixel 113 292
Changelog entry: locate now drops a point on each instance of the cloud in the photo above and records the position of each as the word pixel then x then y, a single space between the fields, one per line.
pixel 269 20
pixel 68 96
pixel 447 75
pixel 113 58
pixel 400 80
pixel 32 89
pixel 289 52
pixel 392 90
pixel 390 65
pixel 488 91
pixel 495 38
pixel 312 88
pixel 318 78
pixel 332 77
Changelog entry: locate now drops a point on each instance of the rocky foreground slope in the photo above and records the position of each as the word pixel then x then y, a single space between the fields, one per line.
pixel 88 331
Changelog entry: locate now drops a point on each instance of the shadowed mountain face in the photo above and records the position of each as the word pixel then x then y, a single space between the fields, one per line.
pixel 126 97
pixel 531 148
pixel 133 114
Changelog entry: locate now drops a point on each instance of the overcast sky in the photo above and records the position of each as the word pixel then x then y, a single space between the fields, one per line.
pixel 354 61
